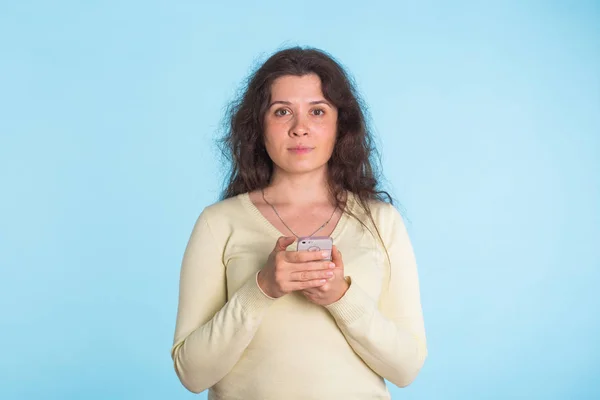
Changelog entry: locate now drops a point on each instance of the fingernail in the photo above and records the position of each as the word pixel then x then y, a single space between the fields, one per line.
pixel 325 253
pixel 331 265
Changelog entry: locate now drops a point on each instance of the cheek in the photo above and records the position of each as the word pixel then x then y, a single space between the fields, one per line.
pixel 325 128
pixel 276 127
pixel 273 138
pixel 332 129
pixel 328 135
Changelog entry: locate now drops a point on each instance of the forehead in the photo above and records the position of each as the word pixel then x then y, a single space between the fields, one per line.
pixel 298 88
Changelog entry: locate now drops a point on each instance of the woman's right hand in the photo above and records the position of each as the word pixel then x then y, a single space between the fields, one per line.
pixel 288 271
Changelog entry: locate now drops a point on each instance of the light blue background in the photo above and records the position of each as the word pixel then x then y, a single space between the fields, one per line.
pixel 489 121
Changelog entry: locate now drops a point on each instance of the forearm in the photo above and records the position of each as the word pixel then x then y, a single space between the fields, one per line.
pixel 391 350
pixel 207 354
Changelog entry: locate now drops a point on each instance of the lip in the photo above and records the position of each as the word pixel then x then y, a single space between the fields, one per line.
pixel 301 149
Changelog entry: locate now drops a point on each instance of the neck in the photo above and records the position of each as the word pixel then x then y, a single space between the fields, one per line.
pixel 299 189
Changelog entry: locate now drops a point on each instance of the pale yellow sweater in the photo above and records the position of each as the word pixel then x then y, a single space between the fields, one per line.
pixel 243 345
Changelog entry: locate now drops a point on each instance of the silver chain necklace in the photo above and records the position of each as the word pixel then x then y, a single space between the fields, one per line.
pixel 290 229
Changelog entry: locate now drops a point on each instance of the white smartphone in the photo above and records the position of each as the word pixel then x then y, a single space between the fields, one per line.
pixel 316 243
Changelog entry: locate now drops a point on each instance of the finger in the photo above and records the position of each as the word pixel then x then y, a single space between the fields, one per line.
pixel 283 242
pixel 309 295
pixel 301 285
pixel 311 266
pixel 306 256
pixel 336 257
pixel 311 291
pixel 311 275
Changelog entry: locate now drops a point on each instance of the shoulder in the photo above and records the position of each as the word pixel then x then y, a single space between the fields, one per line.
pixel 222 211
pixel 221 218
pixel 222 206
pixel 381 211
pixel 386 216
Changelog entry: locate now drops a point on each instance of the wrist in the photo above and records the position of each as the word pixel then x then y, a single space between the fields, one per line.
pixel 262 285
pixel 345 287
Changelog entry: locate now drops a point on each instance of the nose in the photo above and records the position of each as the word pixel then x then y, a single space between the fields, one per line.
pixel 299 127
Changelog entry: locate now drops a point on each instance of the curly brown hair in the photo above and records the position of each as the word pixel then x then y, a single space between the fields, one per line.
pixel 354 158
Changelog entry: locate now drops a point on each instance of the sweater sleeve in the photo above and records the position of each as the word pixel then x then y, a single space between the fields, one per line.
pixel 211 333
pixel 388 335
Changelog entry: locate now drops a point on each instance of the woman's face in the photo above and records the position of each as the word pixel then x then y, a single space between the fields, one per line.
pixel 300 125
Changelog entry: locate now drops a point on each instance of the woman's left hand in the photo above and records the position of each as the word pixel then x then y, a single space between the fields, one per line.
pixel 335 288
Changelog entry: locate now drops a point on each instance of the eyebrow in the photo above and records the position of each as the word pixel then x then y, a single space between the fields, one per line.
pixel 287 103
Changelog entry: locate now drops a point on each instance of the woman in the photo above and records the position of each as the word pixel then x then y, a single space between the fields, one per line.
pixel 259 320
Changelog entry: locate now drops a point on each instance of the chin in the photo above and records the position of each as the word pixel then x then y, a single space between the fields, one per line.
pixel 303 169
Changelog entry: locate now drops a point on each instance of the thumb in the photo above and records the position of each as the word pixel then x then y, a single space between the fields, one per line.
pixel 336 257
pixel 283 242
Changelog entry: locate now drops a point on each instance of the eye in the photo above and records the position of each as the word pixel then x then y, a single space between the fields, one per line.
pixel 318 112
pixel 281 112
